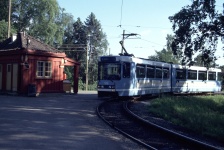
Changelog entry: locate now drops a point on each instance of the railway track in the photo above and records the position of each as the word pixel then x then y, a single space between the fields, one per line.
pixel 116 113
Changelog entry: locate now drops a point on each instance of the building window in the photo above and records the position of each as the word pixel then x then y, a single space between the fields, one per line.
pixel 9 68
pixel 44 69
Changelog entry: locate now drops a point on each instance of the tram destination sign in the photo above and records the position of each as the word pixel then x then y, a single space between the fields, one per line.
pixel 108 59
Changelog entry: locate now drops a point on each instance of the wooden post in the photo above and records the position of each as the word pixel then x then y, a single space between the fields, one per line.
pixel 76 79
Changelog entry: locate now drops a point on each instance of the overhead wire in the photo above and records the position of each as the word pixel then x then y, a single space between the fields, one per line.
pixel 121 12
pixel 137 26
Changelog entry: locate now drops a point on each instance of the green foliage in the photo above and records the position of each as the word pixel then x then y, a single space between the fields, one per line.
pixel 42 19
pixel 4 10
pixel 204 115
pixel 91 87
pixel 198 61
pixel 98 45
pixel 165 54
pixel 81 84
pixel 77 37
pixel 222 68
pixel 197 28
pixel 68 71
pixel 3 30
pixel 88 34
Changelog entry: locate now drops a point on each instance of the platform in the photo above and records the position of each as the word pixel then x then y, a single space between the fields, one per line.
pixel 57 121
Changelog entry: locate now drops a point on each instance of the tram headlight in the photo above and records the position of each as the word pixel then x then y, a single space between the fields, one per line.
pixel 100 86
pixel 111 87
pixel 106 86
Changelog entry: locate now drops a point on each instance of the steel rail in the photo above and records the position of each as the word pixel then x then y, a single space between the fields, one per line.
pixel 119 130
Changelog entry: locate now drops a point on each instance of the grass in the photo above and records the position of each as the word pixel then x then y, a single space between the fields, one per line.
pixel 203 115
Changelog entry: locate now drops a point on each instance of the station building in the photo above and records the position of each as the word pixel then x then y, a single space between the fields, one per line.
pixel 27 63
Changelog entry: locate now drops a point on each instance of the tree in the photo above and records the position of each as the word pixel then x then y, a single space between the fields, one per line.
pixel 41 19
pixel 79 39
pixel 222 78
pixel 198 62
pixel 64 22
pixel 88 34
pixel 75 35
pixel 165 54
pixel 4 10
pixel 4 5
pixel 97 42
pixel 3 30
pixel 197 28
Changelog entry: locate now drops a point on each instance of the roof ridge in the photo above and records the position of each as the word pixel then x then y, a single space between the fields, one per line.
pixel 43 43
pixel 33 43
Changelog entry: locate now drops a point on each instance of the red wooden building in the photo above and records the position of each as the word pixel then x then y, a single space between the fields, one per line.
pixel 25 61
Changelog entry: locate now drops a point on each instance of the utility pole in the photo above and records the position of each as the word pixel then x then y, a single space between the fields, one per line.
pixel 87 66
pixel 9 19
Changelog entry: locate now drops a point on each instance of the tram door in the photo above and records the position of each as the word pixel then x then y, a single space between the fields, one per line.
pixel 8 77
pixel 12 77
pixel 0 76
pixel 15 77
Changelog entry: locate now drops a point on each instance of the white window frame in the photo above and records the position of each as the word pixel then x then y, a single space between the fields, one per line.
pixel 44 70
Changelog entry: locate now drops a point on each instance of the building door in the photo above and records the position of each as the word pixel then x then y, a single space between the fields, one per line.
pixel 9 77
pixel 0 76
pixel 14 77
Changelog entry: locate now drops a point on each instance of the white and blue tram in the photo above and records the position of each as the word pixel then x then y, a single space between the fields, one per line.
pixel 131 76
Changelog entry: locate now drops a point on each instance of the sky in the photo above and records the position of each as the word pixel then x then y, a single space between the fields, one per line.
pixel 147 18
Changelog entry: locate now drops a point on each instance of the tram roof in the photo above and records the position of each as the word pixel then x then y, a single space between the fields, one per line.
pixel 157 63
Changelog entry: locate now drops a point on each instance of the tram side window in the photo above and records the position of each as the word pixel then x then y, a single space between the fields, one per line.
pixel 192 75
pixel 202 75
pixel 140 71
pixel 158 72
pixel 181 74
pixel 150 72
pixel 126 70
pixel 211 76
pixel 165 73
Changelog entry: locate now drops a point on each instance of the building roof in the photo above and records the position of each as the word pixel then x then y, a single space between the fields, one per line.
pixel 24 41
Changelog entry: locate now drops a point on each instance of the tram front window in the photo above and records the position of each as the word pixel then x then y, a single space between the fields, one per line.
pixel 109 71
